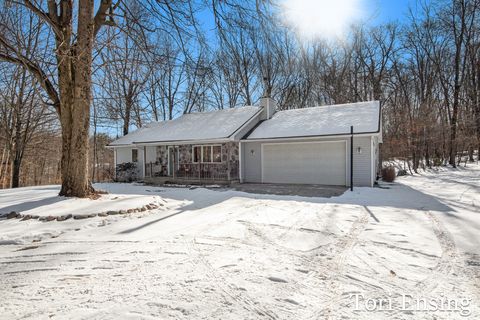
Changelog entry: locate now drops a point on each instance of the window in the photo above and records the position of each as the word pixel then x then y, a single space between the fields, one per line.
pixel 207 154
pixel 197 156
pixel 217 154
pixel 134 155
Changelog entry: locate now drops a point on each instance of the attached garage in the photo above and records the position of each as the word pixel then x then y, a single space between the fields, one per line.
pixel 305 163
pixel 314 146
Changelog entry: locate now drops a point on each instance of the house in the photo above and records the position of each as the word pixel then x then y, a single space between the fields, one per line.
pixel 258 145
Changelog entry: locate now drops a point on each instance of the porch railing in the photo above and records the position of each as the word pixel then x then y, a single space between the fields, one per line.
pixel 196 171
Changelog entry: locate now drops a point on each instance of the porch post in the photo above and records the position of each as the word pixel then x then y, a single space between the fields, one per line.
pixel 173 161
pixel 228 161
pixel 144 161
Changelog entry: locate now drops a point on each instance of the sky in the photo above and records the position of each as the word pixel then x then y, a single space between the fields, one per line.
pixel 373 12
pixel 389 10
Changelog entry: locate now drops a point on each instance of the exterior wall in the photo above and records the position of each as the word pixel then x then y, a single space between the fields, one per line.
pixel 151 154
pixel 362 162
pixel 252 162
pixel 124 155
pixel 376 156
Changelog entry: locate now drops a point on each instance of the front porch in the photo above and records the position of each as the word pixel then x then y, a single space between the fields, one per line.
pixel 192 163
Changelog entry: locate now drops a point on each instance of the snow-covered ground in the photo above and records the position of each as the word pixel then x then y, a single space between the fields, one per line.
pixel 216 254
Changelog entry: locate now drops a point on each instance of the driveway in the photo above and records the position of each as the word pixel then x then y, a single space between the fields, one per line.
pixel 223 254
pixel 303 190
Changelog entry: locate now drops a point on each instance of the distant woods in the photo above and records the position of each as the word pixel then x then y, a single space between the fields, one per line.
pixel 155 61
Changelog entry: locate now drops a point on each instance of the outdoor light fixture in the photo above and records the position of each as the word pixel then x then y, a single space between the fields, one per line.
pixel 359 150
pixel 252 152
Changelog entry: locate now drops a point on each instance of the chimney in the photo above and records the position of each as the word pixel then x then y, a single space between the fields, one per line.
pixel 269 107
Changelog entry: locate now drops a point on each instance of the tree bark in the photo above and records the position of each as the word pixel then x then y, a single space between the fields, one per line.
pixel 75 97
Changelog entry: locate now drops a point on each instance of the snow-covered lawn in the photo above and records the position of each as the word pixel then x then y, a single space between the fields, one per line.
pixel 231 255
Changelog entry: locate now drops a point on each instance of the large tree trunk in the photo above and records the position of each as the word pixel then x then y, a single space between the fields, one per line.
pixel 74 163
pixel 75 95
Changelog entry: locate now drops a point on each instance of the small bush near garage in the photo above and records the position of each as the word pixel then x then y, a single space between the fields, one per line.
pixel 388 174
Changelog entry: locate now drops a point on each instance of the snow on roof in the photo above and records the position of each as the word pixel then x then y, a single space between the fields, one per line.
pixel 321 121
pixel 193 126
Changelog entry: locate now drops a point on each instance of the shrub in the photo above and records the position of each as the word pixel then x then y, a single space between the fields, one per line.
pixel 388 174
pixel 126 172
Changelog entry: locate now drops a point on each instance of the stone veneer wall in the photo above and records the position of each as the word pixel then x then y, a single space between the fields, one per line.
pixel 230 153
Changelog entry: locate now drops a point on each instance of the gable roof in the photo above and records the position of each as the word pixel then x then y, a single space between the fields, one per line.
pixel 321 121
pixel 199 126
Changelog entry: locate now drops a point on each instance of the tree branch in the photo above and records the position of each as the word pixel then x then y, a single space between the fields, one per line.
pixel 101 15
pixel 38 73
pixel 51 21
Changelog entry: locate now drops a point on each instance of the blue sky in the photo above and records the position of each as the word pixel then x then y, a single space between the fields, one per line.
pixel 374 11
pixel 388 10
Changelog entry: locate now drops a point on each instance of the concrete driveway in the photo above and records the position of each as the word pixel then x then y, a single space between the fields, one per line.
pixel 303 190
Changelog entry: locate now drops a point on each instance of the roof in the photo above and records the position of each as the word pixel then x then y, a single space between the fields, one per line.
pixel 321 121
pixel 211 125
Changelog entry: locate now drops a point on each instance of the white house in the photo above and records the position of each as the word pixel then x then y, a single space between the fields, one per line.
pixel 257 144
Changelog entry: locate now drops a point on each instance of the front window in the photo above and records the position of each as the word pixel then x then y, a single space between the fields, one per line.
pixel 217 154
pixel 197 155
pixel 207 154
pixel 134 155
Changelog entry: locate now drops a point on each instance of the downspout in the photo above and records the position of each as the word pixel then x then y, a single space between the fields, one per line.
pixel 351 158
pixel 240 160
pixel 114 164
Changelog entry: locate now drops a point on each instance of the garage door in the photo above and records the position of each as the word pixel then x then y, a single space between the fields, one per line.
pixel 305 163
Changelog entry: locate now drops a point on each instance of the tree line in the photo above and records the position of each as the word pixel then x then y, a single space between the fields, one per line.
pixel 155 60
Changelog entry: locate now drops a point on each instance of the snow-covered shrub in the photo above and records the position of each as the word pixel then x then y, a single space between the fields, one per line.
pixel 126 172
pixel 388 174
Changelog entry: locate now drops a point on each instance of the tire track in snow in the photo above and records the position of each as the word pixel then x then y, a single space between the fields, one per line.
pixel 444 267
pixel 447 261
pixel 229 290
pixel 334 271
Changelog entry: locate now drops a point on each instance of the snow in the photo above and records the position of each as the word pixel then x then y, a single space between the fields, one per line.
pixel 219 124
pixel 320 121
pixel 44 200
pixel 223 254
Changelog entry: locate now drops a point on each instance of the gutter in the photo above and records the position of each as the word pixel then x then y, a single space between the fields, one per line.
pixel 310 137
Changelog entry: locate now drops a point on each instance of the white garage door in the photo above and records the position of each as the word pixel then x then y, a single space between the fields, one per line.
pixel 305 163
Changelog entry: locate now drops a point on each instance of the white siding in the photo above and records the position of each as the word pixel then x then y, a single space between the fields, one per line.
pixel 151 154
pixel 252 162
pixel 362 165
pixel 124 154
